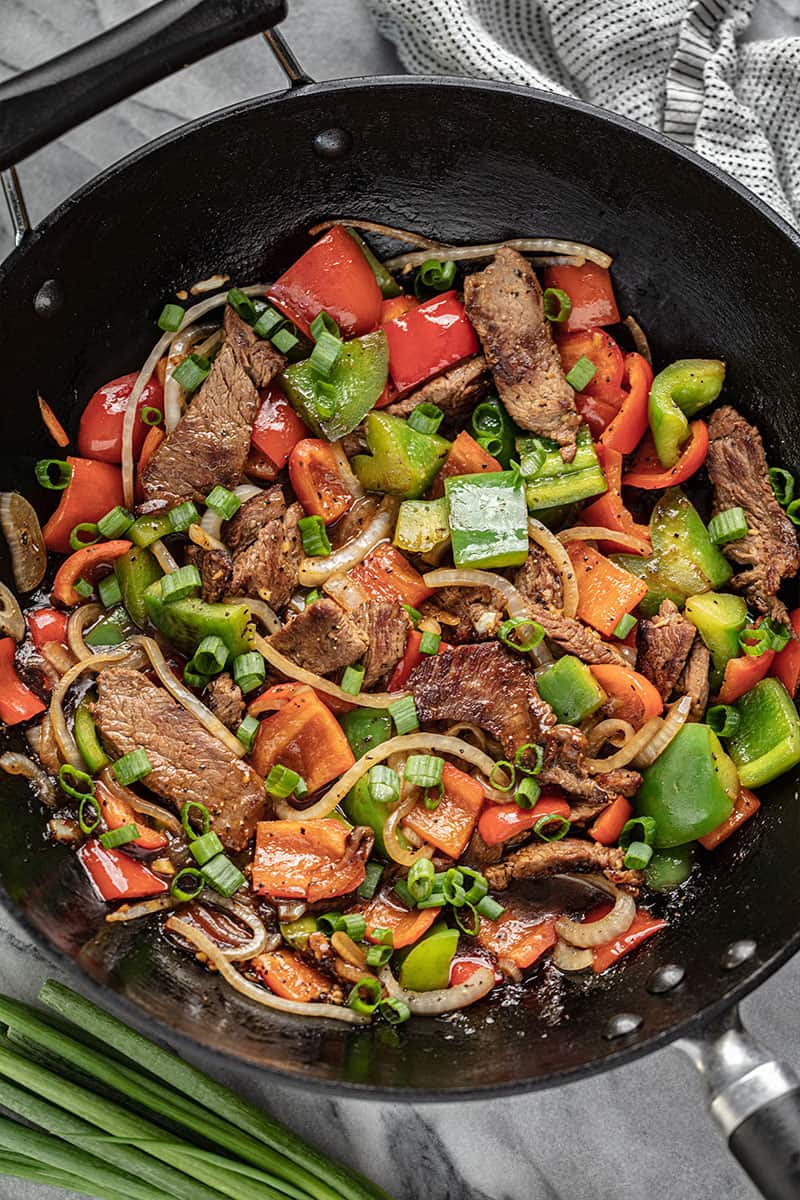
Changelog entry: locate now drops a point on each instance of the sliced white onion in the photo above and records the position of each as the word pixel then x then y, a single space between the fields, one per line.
pixel 58 657
pixel 613 730
pixel 597 533
pixel 182 344
pixel 64 740
pixel 252 990
pixel 209 285
pixel 257 608
pixel 286 667
pixel 570 958
pixel 406 858
pixel 23 533
pixel 134 912
pixel 163 557
pixel 544 537
pixel 639 339
pixel 440 1000
pixel 212 522
pixel 12 622
pixel 487 250
pixel 345 591
pixel 586 934
pixel 348 476
pixel 43 744
pixel 205 540
pixel 244 913
pixel 627 652
pixel 315 571
pixel 474 731
pixel 186 698
pixel 19 764
pixel 139 805
pixel 516 604
pixel 627 752
pixel 396 745
pixel 399 235
pixel 87 614
pixel 676 718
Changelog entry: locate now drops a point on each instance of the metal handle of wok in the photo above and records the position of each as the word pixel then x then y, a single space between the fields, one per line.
pixel 39 105
pixel 755 1100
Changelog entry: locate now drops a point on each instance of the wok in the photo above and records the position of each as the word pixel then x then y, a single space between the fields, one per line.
pixel 706 268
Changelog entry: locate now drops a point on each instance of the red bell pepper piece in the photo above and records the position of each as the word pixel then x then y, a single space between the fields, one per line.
pixel 287 975
pixel 786 664
pixel 630 424
pixel 609 511
pixel 305 860
pixel 601 350
pixel 411 658
pixel 47 625
pixel 395 306
pixel 117 876
pixel 116 813
pixel 742 673
pixel 385 574
pixel 84 564
pixel 499 822
pixel 304 736
pixel 317 480
pixel 428 339
pixel 598 414
pixel 642 927
pixel 100 430
pixel 155 436
pixel 94 489
pixel 591 291
pixel 608 826
pixel 277 428
pixel 635 698
pixel 465 457
pixel 449 826
pixel 605 591
pixel 647 472
pixel 333 276
pixel 744 806
pixel 517 936
pixel 464 966
pixel 383 913
pixel 17 702
pixel 275 697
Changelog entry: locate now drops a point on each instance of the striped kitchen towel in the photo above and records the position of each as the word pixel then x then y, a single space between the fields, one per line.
pixel 677 65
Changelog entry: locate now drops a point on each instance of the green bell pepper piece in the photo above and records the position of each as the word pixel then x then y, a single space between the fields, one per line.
pixel 571 690
pixel 549 481
pixel 767 739
pixel 494 431
pixel 668 869
pixel 114 628
pixel 355 384
pixel 488 519
pixel 422 526
pixel 426 967
pixel 686 788
pixel 297 933
pixel 136 571
pixel 401 462
pixel 149 528
pixel 681 543
pixel 383 277
pixel 679 392
pixel 659 588
pixel 719 618
pixel 88 742
pixel 185 623
pixel 364 729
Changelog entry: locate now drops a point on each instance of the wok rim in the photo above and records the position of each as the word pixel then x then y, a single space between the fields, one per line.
pixel 705 1017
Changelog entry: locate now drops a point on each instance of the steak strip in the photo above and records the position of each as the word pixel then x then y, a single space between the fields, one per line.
pixel 455 392
pixel 662 647
pixel 537 860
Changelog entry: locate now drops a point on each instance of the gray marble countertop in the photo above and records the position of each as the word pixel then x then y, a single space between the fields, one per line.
pixel 623 1134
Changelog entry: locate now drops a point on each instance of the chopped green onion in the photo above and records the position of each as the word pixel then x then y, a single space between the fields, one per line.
pixel 530 640
pixel 352 680
pixel 531 457
pixel 312 597
pixel 89 803
pixel 210 656
pixel 74 782
pixel 53 473
pixel 384 784
pixel 423 770
pixel 132 767
pixel 365 996
pixel 108 590
pixel 453 887
pixel 182 516
pixel 624 625
pixel 323 323
pixel 384 937
pixel 420 879
pixel 471 928
pixel 400 888
pixel 793 512
pixel 78 541
pixel 436 899
pixel 186 819
pixel 779 634
pixel 394 1011
pixel 489 908
pixel 223 502
pixel 528 793
pixel 181 583
pixel 429 642
pixel 782 485
pixel 242 305
pixel 723 719
pixel 192 679
pixel 325 354
pixel 404 714
pixel 284 341
pixel 246 733
pixel 206 847
pixel 120 837
pixel 282 781
pixel 316 543
pixel 413 614
pixel 115 522
pixel 551 827
pixel 222 875
pixel 638 829
pixel 432 796
pixel 249 670
pixel 187 885
pixel 373 873
pixel 480 884
pixel 191 372
pixel 171 317
pixel 521 757
pixel 83 588
pixel 728 526
pixel 638 856
pixel 557 305
pixel 378 956
pixel 582 373
pixel 434 276
pixel 269 322
pixel 354 925
pixel 755 640
pixel 501 765
pixel 425 418
pixel 150 415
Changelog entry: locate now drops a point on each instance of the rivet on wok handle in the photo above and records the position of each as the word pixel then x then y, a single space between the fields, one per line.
pixel 620 1025
pixel 49 299
pixel 737 953
pixel 665 978
pixel 332 143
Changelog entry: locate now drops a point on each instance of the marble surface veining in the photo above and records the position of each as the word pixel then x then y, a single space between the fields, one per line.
pixel 625 1134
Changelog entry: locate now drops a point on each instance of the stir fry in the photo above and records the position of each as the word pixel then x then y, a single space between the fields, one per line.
pixel 386 644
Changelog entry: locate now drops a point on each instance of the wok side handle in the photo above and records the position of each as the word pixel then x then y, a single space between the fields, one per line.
pixel 39 105
pixel 755 1100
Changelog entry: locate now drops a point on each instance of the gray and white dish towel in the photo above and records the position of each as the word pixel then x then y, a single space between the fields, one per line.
pixel 679 66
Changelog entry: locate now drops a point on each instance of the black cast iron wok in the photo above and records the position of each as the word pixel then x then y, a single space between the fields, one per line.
pixel 706 268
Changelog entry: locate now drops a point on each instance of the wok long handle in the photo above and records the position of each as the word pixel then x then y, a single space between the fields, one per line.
pixel 39 105
pixel 755 1100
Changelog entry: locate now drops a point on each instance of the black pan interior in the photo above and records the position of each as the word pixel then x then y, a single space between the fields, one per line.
pixel 707 272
